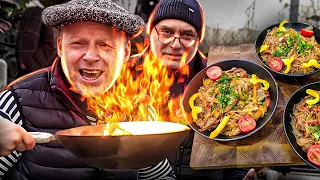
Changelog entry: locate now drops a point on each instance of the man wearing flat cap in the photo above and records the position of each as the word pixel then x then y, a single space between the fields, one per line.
pixel 94 41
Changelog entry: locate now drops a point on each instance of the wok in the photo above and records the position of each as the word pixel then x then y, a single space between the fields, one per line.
pixel 151 143
pixel 251 68
pixel 294 99
pixel 294 25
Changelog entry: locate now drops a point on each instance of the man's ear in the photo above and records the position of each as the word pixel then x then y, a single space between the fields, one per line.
pixel 127 51
pixel 59 46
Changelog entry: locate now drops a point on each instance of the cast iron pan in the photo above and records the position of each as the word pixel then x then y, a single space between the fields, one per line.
pixel 251 68
pixel 294 25
pixel 295 99
pixel 120 152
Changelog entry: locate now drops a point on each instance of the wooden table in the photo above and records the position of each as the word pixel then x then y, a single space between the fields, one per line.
pixel 267 147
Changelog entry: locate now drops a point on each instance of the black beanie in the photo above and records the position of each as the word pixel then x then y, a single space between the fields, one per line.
pixel 185 10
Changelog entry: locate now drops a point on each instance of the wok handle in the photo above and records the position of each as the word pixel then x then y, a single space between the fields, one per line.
pixel 42 137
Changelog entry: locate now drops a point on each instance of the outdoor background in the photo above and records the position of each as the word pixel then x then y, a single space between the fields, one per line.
pixel 227 22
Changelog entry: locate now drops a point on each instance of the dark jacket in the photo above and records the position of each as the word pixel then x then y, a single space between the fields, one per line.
pixel 36 42
pixel 48 105
pixel 180 160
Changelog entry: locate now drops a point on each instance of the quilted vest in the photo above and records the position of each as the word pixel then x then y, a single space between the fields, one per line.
pixel 47 105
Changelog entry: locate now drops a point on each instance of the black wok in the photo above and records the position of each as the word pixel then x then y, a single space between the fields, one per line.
pixel 153 142
pixel 295 99
pixel 251 68
pixel 294 25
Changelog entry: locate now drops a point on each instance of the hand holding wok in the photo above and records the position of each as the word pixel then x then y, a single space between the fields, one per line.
pixel 14 137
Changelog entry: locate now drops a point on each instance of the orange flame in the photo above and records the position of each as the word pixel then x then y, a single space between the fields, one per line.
pixel 142 97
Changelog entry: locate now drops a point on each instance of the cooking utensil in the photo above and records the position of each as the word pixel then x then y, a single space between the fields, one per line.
pixel 295 99
pixel 251 68
pixel 149 143
pixel 294 25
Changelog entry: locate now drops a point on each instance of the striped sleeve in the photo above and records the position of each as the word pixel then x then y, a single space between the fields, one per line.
pixel 9 110
pixel 161 171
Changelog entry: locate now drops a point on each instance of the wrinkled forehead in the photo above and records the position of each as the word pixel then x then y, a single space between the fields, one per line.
pixel 175 24
pixel 93 28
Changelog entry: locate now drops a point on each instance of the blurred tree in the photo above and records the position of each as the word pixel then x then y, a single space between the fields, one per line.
pixel 11 11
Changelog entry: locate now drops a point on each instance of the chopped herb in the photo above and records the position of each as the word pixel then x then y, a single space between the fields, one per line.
pixel 280 33
pixel 290 41
pixel 315 130
pixel 282 51
pixel 226 91
pixel 303 47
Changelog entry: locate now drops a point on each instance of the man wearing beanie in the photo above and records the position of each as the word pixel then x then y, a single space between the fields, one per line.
pixel 176 28
pixel 94 41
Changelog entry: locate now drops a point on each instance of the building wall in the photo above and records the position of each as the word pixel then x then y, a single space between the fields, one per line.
pixel 241 21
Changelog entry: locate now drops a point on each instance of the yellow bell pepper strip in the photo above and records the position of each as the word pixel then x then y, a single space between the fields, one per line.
pixel 207 82
pixel 288 63
pixel 254 94
pixel 313 93
pixel 255 81
pixel 220 127
pixel 195 110
pixel 310 63
pixel 264 47
pixel 281 28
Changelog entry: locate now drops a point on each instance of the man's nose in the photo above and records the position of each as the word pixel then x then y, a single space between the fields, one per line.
pixel 92 54
pixel 175 44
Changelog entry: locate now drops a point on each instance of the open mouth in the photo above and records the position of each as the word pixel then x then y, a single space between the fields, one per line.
pixel 90 75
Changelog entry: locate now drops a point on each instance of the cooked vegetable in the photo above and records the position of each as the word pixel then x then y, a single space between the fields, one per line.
pixel 314 154
pixel 247 124
pixel 276 64
pixel 287 44
pixel 255 80
pixel 288 63
pixel 214 72
pixel 263 47
pixel 220 127
pixel 313 93
pixel 310 63
pixel 234 95
pixel 306 33
pixel 195 110
pixel 305 121
pixel 281 28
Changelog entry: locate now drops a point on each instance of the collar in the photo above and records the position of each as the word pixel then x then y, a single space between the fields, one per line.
pixel 63 91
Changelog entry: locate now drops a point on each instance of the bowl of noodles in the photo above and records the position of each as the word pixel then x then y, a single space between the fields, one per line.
pixel 289 49
pixel 230 100
pixel 301 121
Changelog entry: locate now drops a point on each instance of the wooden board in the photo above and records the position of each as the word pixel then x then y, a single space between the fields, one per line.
pixel 269 146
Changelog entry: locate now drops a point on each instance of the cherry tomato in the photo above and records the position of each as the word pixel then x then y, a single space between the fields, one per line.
pixel 314 154
pixel 276 64
pixel 247 124
pixel 306 32
pixel 214 72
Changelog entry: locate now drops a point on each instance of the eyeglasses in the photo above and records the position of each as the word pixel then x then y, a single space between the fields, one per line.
pixel 167 37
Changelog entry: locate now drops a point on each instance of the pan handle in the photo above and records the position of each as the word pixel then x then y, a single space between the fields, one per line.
pixel 42 137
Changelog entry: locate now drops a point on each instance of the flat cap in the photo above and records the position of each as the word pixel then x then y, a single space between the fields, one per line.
pixel 103 11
